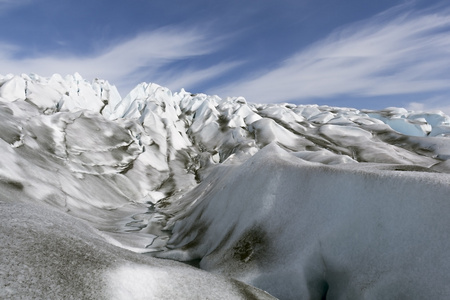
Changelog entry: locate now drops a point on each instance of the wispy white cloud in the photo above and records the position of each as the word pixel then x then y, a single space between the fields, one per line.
pixel 441 102
pixel 125 63
pixel 6 5
pixel 12 2
pixel 390 54
pixel 187 78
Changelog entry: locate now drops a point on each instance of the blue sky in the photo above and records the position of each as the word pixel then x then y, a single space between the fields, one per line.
pixel 353 53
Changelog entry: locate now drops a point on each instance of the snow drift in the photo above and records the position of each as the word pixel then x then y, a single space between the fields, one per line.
pixel 302 201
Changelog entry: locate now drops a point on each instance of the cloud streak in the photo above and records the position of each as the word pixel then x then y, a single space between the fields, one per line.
pixel 440 102
pixel 187 78
pixel 390 54
pixel 126 63
pixel 6 5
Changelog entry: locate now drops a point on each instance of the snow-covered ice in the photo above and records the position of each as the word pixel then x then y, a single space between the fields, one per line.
pixel 294 227
pixel 301 201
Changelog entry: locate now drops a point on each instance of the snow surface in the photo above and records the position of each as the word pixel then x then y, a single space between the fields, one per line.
pixel 301 201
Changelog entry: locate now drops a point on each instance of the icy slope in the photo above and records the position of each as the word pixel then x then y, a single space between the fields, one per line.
pixel 47 254
pixel 293 227
pixel 143 167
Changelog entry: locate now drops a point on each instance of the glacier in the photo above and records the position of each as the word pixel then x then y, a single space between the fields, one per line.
pixel 170 195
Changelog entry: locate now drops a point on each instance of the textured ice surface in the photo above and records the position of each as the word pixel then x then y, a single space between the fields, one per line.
pixel 47 254
pixel 293 227
pixel 299 200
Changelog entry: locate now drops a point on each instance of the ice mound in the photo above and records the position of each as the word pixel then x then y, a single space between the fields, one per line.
pixel 293 227
pixel 281 196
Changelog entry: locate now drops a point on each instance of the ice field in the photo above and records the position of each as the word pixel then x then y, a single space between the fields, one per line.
pixel 173 195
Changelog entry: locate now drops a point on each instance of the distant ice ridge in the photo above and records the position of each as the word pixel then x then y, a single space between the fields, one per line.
pixel 57 93
pixel 173 138
pixel 194 176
